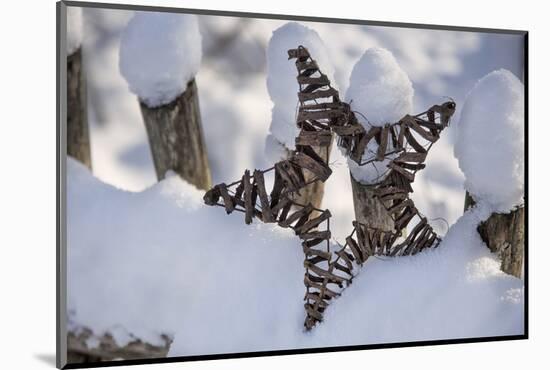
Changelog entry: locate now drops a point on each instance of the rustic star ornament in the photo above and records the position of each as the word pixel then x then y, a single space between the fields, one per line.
pixel 321 114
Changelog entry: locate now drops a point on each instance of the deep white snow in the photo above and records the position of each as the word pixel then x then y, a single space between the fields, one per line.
pixel 159 261
pixel 490 141
pixel 281 76
pixel 380 92
pixel 149 261
pixel 159 54
pixel 74 28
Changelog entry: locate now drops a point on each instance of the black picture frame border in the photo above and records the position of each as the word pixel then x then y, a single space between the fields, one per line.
pixel 61 284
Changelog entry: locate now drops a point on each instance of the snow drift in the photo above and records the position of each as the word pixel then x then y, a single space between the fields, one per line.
pixel 159 261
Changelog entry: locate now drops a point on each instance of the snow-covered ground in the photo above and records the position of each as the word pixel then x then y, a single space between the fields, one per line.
pixel 146 252
pixel 160 261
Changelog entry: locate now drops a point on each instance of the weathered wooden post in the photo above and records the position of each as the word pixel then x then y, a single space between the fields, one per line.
pixel 79 351
pixel 381 92
pixel 314 192
pixel 176 138
pixel 494 164
pixel 504 234
pixel 311 193
pixel 160 55
pixel 78 135
pixel 281 81
pixel 368 209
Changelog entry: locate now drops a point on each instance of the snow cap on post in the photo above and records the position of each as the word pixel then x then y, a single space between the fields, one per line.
pixel 281 77
pixel 74 28
pixel 489 143
pixel 159 54
pixel 379 89
pixel 381 92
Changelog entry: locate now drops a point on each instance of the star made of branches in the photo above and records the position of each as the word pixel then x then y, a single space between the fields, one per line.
pixel 321 114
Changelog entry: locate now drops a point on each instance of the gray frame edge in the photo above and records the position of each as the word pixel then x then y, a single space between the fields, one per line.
pixel 61 162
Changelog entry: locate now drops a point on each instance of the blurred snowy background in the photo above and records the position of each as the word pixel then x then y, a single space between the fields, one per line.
pixel 236 109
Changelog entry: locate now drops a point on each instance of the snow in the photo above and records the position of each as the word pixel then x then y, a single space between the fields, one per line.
pixel 232 90
pixel 281 76
pixel 374 171
pixel 159 54
pixel 143 264
pixel 380 92
pixel 144 261
pixel 379 89
pixel 274 150
pixel 490 141
pixel 74 29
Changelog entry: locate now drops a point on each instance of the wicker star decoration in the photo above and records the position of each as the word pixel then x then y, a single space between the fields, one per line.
pixel 329 270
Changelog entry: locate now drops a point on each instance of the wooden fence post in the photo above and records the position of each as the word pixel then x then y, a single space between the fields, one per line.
pixel 314 192
pixel 78 350
pixel 78 136
pixel 496 179
pixel 369 210
pixel 281 82
pixel 504 234
pixel 176 138
pixel 375 77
